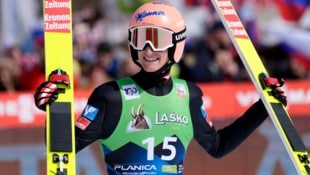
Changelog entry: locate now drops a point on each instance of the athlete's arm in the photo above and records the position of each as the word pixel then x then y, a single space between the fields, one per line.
pixel 234 134
pixel 106 99
pixel 219 143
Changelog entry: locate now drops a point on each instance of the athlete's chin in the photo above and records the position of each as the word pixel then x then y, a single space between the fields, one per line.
pixel 150 69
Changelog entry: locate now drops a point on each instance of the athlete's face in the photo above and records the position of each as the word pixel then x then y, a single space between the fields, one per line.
pixel 152 61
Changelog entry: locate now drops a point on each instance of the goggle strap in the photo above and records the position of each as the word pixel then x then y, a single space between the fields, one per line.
pixel 129 35
pixel 180 36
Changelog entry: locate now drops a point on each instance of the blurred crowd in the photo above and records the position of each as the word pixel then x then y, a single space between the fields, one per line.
pixel 100 47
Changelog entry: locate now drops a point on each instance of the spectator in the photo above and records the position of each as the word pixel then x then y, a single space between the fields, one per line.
pixel 16 54
pixel 9 73
pixel 82 49
pixel 203 56
pixel 97 77
pixel 107 60
pixel 91 16
pixel 89 30
pixel 231 69
pixel 298 69
pixel 279 63
pixel 33 68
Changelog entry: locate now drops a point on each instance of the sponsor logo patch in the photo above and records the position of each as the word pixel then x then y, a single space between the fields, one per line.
pixel 181 90
pixel 90 112
pixel 204 114
pixel 131 92
pixel 169 169
pixel 136 169
pixel 139 121
pixel 82 123
pixel 141 15
pixel 163 118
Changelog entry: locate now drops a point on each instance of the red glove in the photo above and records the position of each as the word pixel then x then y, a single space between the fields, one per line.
pixel 48 91
pixel 45 94
pixel 276 88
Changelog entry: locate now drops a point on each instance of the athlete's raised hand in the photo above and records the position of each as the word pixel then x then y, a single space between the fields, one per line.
pixel 277 91
pixel 48 91
pixel 45 94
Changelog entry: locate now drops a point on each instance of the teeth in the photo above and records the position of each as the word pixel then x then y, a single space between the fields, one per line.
pixel 149 59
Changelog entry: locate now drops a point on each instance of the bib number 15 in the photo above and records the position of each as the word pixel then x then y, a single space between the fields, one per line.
pixel 166 146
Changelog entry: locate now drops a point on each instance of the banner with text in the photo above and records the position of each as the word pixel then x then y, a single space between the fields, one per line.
pixel 221 100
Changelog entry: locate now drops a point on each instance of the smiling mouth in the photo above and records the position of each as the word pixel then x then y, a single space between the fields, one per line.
pixel 150 59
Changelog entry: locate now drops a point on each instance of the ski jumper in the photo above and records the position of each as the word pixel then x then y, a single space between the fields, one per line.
pixel 144 124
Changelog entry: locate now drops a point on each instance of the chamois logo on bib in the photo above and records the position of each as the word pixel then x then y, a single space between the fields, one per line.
pixel 138 119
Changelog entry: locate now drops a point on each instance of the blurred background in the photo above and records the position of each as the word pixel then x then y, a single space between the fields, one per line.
pixel 279 29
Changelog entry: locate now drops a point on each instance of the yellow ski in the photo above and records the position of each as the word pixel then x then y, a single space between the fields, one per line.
pixel 278 114
pixel 60 141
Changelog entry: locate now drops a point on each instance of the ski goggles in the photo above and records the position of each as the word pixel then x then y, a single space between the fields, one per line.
pixel 159 39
